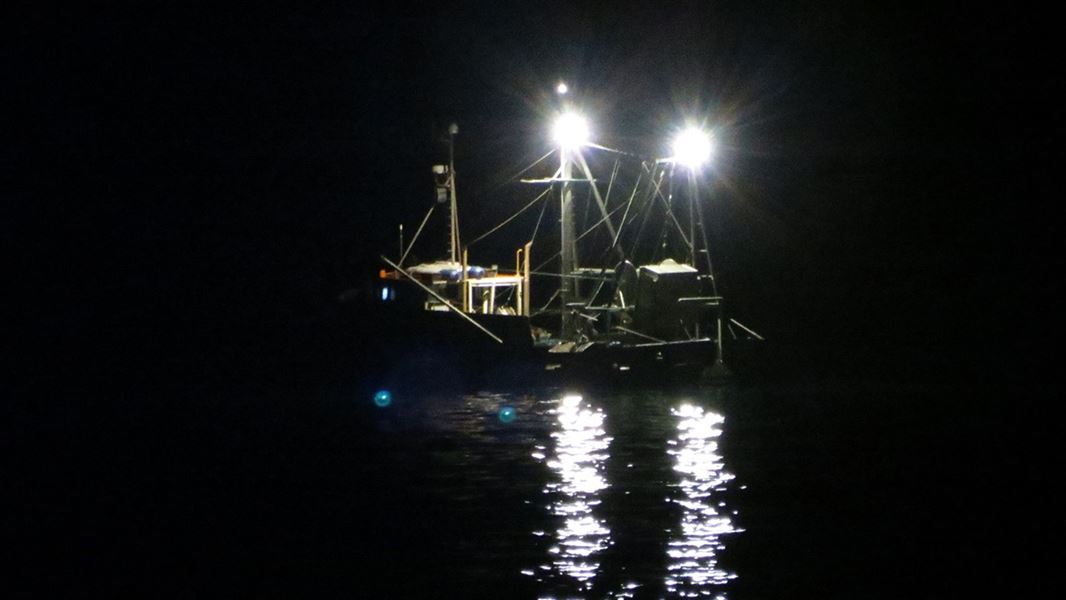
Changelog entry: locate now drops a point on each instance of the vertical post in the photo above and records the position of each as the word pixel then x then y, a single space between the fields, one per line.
pixel 718 341
pixel 719 360
pixel 526 292
pixel 454 224
pixel 518 273
pixel 568 254
pixel 465 285
pixel 693 195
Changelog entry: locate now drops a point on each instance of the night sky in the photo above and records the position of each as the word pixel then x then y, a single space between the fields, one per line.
pixel 192 186
pixel 213 173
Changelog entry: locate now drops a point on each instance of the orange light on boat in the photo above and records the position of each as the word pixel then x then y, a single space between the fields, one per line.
pixel 383 274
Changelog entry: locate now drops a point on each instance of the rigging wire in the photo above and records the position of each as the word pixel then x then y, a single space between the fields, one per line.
pixel 415 238
pixel 664 230
pixel 600 202
pixel 531 165
pixel 536 227
pixel 514 177
pixel 614 242
pixel 706 248
pixel 610 185
pixel 621 226
pixel 547 304
pixel 560 276
pixel 521 210
pixel 622 152
pixel 578 238
pixel 646 211
pixel 509 219
pixel 670 212
pixel 653 189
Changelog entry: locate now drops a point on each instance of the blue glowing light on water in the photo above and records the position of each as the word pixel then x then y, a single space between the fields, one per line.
pixel 383 398
pixel 507 414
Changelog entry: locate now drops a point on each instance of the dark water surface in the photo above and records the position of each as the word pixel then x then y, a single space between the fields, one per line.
pixel 292 484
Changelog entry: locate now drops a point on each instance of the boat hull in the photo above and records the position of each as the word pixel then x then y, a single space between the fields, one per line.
pixel 433 349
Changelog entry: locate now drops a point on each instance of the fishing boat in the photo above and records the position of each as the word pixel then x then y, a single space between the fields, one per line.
pixel 630 296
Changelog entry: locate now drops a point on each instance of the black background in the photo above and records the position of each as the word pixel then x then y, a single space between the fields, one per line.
pixel 204 169
pixel 192 186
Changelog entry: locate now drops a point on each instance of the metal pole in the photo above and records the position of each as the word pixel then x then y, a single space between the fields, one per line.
pixel 454 250
pixel 526 292
pixel 718 341
pixel 568 258
pixel 692 197
pixel 710 273
pixel 464 283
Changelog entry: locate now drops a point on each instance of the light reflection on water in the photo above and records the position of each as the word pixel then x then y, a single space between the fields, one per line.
pixel 692 569
pixel 579 459
pixel 662 451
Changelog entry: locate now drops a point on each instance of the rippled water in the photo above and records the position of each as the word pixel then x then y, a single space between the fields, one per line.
pixel 610 496
pixel 844 489
pixel 817 488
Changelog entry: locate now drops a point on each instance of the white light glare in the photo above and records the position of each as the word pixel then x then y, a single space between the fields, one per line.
pixel 693 148
pixel 562 88
pixel 571 130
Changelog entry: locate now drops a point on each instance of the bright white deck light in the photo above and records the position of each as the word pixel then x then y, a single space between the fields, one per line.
pixel 562 88
pixel 693 148
pixel 571 130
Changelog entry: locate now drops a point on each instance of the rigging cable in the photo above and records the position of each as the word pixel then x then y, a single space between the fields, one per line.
pixel 622 152
pixel 536 227
pixel 548 303
pixel 521 210
pixel 670 212
pixel 653 188
pixel 512 178
pixel 601 202
pixel 578 238
pixel 533 164
pixel 706 249
pixel 614 242
pixel 508 219
pixel 415 238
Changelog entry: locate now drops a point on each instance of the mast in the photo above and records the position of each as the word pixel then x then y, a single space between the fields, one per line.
pixel 718 367
pixel 570 132
pixel 454 221
pixel 568 252
pixel 692 197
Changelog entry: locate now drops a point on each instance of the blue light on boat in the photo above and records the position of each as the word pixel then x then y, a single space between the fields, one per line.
pixel 383 398
pixel 508 414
